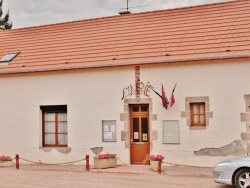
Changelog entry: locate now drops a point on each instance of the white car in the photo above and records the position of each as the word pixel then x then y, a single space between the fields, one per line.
pixel 235 171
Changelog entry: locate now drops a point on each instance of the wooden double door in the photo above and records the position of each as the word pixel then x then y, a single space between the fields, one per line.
pixel 139 133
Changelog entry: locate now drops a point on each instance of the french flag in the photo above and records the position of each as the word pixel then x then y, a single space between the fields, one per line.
pixel 172 100
pixel 164 98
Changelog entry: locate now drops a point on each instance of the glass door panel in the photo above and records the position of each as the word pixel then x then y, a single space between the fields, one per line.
pixel 144 129
pixel 136 130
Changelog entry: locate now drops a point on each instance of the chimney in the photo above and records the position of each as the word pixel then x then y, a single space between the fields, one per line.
pixel 124 12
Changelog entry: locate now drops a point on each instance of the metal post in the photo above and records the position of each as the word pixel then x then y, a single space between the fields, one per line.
pixel 17 161
pixel 159 165
pixel 87 162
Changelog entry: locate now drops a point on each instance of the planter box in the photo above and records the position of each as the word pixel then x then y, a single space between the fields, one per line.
pixel 105 163
pixel 6 163
pixel 154 165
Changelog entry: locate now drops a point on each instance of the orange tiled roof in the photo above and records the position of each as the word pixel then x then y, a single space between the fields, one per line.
pixel 214 31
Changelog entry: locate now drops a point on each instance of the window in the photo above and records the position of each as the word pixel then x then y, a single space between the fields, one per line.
pixel 9 57
pixel 198 114
pixel 54 126
pixel 139 108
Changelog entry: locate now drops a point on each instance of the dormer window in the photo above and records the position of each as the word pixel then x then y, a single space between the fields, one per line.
pixel 9 57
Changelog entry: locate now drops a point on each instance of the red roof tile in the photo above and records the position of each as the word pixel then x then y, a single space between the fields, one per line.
pixel 208 31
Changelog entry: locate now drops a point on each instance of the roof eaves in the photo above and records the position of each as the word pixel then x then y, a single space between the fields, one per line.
pixel 47 69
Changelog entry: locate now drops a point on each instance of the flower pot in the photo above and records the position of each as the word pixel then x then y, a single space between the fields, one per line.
pixel 6 163
pixel 105 163
pixel 154 165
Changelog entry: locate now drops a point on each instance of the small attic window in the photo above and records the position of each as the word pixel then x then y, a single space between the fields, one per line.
pixel 9 57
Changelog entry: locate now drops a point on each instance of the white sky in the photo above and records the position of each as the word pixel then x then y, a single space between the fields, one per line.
pixel 26 13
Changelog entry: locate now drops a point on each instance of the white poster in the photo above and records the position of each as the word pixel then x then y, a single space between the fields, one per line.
pixel 106 128
pixel 136 135
pixel 112 128
pixel 107 135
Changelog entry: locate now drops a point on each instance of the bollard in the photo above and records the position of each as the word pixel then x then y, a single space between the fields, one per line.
pixel 87 162
pixel 159 165
pixel 17 161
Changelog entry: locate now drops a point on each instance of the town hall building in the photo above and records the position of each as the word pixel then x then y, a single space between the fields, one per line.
pixel 172 82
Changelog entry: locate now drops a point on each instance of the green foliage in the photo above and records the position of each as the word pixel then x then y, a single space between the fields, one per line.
pixel 4 19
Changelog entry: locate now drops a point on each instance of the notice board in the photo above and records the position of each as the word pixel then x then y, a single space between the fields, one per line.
pixel 171 132
pixel 108 130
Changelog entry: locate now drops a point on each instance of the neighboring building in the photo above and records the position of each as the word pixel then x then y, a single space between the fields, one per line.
pixel 69 87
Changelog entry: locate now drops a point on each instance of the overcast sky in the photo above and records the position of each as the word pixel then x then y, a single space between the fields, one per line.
pixel 26 13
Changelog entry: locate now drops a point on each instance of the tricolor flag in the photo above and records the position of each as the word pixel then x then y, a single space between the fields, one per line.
pixel 164 97
pixel 172 100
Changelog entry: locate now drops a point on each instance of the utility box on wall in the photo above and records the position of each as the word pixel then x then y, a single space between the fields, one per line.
pixel 171 132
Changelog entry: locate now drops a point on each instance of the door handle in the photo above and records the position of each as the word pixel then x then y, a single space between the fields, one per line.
pixel 131 140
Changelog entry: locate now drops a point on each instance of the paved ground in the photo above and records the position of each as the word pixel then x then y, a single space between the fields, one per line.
pixel 75 176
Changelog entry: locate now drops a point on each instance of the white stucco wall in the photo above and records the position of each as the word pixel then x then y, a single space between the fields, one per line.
pixel 225 84
pixel 90 96
pixel 95 95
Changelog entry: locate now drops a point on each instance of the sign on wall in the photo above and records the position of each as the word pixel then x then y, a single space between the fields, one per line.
pixel 108 130
pixel 171 132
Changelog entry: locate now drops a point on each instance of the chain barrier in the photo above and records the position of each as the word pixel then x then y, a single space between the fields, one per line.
pixel 17 158
pixel 52 163
pixel 175 164
pixel 145 161
pixel 161 168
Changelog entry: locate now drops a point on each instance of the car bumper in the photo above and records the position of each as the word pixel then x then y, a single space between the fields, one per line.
pixel 221 177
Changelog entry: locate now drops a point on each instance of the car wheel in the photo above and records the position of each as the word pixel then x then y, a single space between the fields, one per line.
pixel 242 178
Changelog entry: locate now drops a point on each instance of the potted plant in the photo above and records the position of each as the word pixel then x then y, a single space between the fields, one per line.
pixel 154 161
pixel 105 161
pixel 5 161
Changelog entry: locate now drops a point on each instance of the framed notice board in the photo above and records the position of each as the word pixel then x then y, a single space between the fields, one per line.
pixel 109 131
pixel 171 132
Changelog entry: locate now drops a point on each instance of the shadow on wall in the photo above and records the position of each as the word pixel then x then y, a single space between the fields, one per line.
pixel 236 148
pixel 60 150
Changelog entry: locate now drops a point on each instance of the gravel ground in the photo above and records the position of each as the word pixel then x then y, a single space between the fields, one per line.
pixel 75 176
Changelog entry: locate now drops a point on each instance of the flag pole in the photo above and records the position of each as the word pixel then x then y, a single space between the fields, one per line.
pixel 174 88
